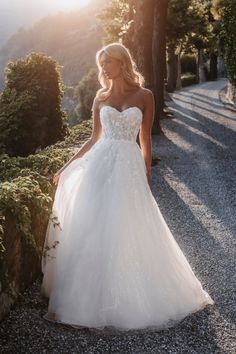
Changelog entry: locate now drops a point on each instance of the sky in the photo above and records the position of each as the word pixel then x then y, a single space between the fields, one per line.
pixel 17 13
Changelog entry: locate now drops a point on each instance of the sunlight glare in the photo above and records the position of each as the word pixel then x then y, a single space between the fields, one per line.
pixel 72 4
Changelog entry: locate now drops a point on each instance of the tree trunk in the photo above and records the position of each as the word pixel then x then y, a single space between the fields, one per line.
pixel 213 66
pixel 158 59
pixel 139 37
pixel 200 66
pixel 171 68
pixel 178 80
pixel 146 42
pixel 221 72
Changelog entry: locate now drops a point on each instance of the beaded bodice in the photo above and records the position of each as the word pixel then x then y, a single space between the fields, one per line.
pixel 120 125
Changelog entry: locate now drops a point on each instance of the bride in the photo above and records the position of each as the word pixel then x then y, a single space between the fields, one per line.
pixel 110 260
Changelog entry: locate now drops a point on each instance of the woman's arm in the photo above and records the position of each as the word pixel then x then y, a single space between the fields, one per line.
pixel 145 136
pixel 95 135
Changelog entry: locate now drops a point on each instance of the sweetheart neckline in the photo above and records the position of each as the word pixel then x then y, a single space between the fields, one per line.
pixel 123 110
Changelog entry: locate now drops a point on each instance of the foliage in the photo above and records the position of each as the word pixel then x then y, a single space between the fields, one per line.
pixel 26 182
pixel 16 197
pixel 179 21
pixel 115 19
pixel 187 23
pixel 225 12
pixel 30 106
pixel 84 94
pixel 77 135
pixel 202 26
pixel 191 26
pixel 26 185
pixel 45 163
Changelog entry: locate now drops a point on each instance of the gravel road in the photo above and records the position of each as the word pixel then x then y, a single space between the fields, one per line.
pixel 194 185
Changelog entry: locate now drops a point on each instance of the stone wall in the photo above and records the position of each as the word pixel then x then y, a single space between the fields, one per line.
pixel 21 263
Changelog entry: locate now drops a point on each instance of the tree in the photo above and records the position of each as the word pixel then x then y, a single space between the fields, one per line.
pixel 139 36
pixel 115 20
pixel 159 58
pixel 141 26
pixel 189 29
pixel 225 12
pixel 31 116
pixel 84 95
pixel 146 39
pixel 179 23
pixel 202 37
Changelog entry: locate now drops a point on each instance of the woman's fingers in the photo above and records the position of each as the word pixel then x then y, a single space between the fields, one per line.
pixel 55 179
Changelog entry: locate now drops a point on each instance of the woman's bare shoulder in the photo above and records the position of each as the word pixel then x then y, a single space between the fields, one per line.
pixel 145 92
pixel 146 96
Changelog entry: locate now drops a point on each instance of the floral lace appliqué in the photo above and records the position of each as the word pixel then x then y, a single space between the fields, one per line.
pixel 120 125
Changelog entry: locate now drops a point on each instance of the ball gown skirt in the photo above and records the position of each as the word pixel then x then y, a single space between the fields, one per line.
pixel 111 261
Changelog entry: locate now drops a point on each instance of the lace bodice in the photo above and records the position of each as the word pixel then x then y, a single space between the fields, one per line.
pixel 120 125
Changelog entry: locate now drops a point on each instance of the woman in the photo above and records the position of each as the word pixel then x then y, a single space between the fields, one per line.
pixel 112 260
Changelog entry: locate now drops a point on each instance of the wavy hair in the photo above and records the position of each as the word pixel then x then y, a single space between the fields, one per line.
pixel 130 73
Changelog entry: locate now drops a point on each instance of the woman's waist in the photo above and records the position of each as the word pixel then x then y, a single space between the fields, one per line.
pixel 119 139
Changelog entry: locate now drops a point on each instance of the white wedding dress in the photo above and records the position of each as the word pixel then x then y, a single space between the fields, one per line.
pixel 112 261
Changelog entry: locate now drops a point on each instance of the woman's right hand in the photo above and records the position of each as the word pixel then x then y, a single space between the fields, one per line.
pixel 55 178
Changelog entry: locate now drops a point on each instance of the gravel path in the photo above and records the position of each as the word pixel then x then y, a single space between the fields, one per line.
pixel 194 185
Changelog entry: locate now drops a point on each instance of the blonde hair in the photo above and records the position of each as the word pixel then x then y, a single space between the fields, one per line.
pixel 131 75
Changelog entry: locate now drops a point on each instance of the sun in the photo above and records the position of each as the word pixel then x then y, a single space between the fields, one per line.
pixel 72 4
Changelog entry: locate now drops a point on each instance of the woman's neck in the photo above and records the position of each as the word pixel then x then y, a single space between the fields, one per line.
pixel 120 87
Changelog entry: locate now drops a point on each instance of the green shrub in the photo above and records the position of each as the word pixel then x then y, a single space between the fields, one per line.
pixel 26 182
pixel 84 94
pixel 31 116
pixel 17 196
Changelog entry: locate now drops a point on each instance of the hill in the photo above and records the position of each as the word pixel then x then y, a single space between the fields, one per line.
pixel 71 38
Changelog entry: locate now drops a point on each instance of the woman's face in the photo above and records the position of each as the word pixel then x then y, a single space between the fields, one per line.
pixel 110 66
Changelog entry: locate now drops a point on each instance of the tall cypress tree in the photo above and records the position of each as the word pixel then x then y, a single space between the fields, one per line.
pixel 31 116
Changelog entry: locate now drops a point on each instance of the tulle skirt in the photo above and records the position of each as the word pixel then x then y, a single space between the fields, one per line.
pixel 111 261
